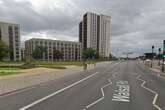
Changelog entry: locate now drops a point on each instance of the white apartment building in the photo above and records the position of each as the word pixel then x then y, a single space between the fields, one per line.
pixel 104 37
pixel 10 34
pixel 94 32
pixel 71 50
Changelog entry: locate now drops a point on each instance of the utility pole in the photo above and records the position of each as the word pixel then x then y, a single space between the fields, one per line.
pixel 163 56
pixel 159 57
pixel 152 55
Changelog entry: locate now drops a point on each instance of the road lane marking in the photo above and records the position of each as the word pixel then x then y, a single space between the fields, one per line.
pixel 59 91
pixel 102 91
pixel 103 95
pixel 122 93
pixel 156 94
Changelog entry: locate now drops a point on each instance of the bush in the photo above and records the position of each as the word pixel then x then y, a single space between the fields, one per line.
pixel 27 66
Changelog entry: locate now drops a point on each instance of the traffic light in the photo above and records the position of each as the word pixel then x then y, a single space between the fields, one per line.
pixel 153 47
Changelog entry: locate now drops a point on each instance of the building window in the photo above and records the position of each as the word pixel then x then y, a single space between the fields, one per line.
pixel 16 28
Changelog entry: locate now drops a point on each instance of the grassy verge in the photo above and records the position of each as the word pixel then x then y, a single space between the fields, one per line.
pixel 10 68
pixel 9 71
pixel 62 63
pixel 54 67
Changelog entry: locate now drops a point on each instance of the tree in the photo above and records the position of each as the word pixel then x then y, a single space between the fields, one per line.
pixel 4 50
pixel 57 55
pixel 38 52
pixel 90 54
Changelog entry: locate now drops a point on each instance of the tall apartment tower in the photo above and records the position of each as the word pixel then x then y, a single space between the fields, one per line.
pixel 10 34
pixel 94 32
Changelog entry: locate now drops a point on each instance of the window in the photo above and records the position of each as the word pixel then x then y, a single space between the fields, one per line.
pixel 16 28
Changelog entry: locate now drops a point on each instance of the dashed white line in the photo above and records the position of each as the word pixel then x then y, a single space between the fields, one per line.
pixel 156 94
pixel 59 91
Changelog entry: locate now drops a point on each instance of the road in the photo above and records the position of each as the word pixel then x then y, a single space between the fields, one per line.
pixel 113 86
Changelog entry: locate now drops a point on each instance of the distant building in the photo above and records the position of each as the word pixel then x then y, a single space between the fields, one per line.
pixel 95 32
pixel 10 34
pixel 71 50
pixel 149 55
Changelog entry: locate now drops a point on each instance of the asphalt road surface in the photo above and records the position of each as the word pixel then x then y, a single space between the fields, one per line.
pixel 116 86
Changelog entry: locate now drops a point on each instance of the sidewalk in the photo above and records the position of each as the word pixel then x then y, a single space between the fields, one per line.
pixel 156 69
pixel 33 77
pixel 36 76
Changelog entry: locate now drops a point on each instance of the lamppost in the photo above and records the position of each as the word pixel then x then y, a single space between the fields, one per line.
pixel 163 56
pixel 159 57
pixel 152 55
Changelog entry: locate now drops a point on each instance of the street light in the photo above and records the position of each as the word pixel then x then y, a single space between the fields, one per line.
pixel 152 55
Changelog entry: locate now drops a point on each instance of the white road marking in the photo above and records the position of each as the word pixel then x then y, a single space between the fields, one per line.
pixel 59 91
pixel 102 91
pixel 122 94
pixel 103 95
pixel 156 94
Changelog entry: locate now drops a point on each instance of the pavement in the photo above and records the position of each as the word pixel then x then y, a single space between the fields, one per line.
pixel 155 68
pixel 110 86
pixel 32 77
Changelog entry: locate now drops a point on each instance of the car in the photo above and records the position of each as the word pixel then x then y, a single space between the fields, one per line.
pixel 147 60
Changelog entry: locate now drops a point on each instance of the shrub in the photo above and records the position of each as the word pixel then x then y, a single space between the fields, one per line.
pixel 27 66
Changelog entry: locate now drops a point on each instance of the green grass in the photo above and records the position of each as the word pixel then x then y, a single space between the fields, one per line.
pixel 11 62
pixel 62 63
pixel 53 66
pixel 10 68
pixel 9 71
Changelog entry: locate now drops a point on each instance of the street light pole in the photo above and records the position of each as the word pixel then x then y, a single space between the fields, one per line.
pixel 159 57
pixel 163 56
pixel 152 55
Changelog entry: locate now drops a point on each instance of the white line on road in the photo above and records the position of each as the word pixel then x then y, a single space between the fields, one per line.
pixel 59 91
pixel 156 94
pixel 103 95
pixel 102 91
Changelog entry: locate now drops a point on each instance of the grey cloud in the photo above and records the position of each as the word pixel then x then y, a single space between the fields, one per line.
pixel 31 20
pixel 136 24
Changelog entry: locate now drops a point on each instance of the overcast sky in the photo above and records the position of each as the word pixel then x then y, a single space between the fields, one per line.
pixel 136 24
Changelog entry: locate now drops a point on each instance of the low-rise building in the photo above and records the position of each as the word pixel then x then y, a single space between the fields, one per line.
pixel 70 50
